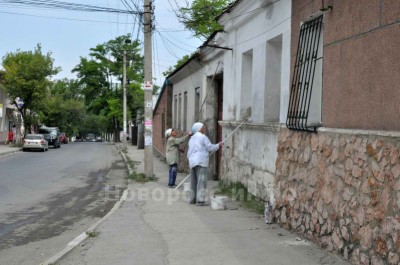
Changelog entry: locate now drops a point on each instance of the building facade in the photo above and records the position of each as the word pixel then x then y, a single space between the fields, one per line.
pixel 256 91
pixel 303 93
pixel 162 118
pixel 8 116
pixel 340 186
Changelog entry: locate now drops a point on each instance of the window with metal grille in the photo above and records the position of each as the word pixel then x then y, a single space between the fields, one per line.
pixel 304 112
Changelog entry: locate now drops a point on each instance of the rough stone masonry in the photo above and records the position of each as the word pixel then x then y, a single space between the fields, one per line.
pixel 341 191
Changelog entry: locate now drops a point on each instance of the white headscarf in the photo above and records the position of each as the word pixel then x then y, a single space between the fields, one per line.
pixel 196 127
pixel 168 132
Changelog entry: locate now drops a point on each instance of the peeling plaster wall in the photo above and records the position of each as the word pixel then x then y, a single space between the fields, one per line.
pixel 249 156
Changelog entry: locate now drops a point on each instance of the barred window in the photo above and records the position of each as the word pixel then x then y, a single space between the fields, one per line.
pixel 305 103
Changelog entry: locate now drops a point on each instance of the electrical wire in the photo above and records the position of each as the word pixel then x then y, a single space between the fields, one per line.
pixel 155 49
pixel 167 33
pixel 168 48
pixel 61 18
pixel 172 43
pixel 51 4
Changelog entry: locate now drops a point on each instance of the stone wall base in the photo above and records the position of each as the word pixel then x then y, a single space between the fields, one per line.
pixel 341 190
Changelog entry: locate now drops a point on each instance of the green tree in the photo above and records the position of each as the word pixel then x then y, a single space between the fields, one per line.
pixel 178 64
pixel 102 75
pixel 92 76
pixel 92 124
pixel 26 76
pixel 110 55
pixel 199 16
pixel 64 107
pixel 68 88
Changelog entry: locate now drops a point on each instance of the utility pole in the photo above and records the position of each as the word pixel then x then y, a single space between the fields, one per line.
pixel 148 88
pixel 124 98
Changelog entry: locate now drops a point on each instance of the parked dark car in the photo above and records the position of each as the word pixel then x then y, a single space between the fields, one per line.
pixel 52 135
pixel 63 138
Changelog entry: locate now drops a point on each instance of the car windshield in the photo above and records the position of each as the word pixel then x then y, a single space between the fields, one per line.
pixel 53 132
pixel 33 137
pixel 43 131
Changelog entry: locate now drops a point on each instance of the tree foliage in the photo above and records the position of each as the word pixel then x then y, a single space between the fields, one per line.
pixel 101 77
pixel 26 76
pixel 178 64
pixel 68 88
pixel 64 107
pixel 90 104
pixel 199 16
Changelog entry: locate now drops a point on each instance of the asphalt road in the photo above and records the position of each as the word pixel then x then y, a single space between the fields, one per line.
pixel 47 199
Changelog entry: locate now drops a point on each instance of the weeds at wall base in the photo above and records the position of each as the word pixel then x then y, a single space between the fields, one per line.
pixel 138 177
pixel 238 192
pixel 141 177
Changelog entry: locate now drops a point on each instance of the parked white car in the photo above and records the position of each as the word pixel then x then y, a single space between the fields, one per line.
pixel 35 141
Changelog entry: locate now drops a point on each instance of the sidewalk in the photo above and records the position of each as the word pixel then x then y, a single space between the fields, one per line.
pixel 7 150
pixel 155 225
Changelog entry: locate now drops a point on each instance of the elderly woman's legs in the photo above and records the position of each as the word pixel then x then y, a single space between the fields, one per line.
pixel 198 185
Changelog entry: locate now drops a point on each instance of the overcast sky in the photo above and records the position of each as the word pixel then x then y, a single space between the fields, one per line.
pixel 70 34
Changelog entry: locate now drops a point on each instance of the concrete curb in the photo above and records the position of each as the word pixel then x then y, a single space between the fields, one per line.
pixel 10 152
pixel 82 237
pixel 130 171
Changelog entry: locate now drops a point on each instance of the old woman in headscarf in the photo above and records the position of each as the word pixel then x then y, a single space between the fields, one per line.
pixel 200 148
pixel 172 154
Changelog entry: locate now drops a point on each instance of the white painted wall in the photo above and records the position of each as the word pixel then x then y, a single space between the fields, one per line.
pixel 252 32
pixel 199 76
pixel 260 35
pixel 189 83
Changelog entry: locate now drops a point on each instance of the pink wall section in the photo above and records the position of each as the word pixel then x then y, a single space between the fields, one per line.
pixel 361 67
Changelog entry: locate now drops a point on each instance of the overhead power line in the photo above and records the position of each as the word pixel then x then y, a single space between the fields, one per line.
pixel 64 18
pixel 51 4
